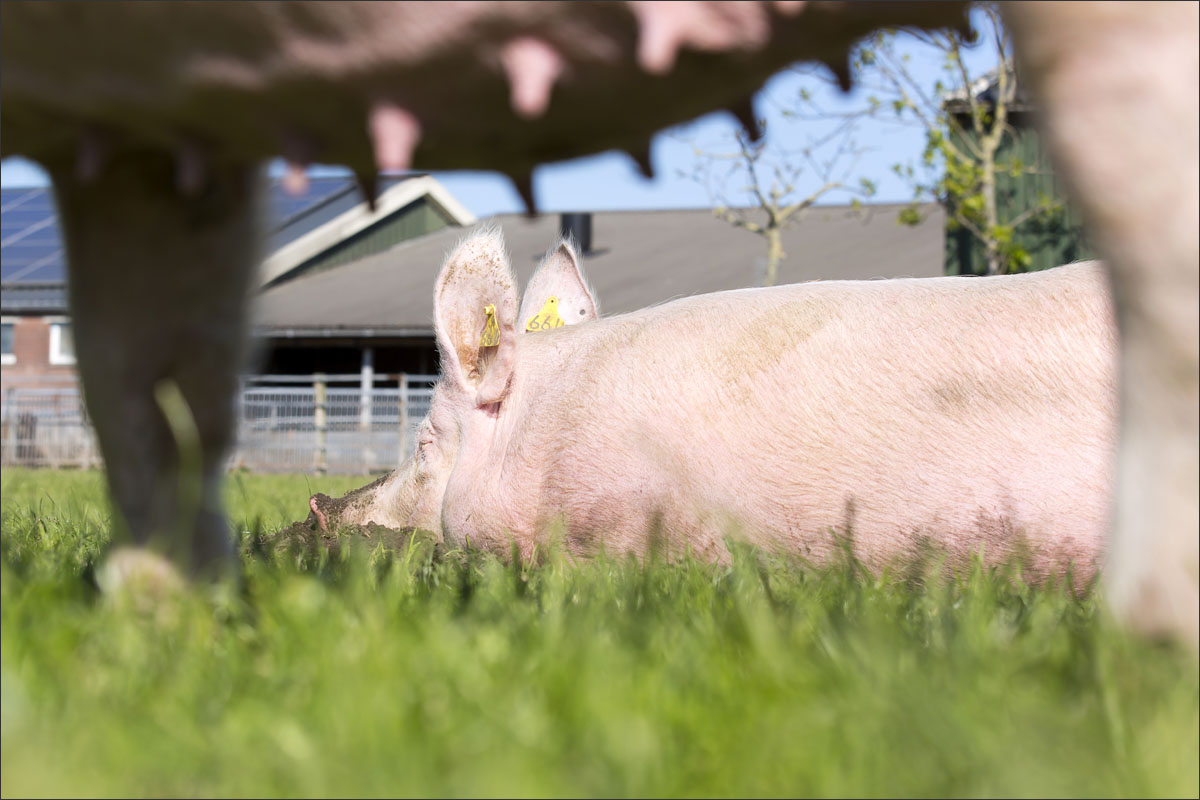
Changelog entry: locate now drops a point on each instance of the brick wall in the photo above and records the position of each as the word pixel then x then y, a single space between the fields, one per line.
pixel 31 347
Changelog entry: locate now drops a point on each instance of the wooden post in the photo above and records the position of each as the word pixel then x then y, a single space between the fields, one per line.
pixel 84 434
pixel 404 452
pixel 54 442
pixel 319 419
pixel 367 383
pixel 365 395
pixel 10 421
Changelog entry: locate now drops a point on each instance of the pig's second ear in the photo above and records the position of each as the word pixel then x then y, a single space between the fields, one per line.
pixel 474 315
pixel 559 277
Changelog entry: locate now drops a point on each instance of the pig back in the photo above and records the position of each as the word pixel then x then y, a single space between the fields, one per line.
pixel 964 412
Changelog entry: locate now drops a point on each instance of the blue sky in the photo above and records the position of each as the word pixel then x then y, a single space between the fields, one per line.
pixel 610 181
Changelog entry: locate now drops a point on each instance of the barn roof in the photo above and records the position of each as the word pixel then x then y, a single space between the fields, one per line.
pixel 637 258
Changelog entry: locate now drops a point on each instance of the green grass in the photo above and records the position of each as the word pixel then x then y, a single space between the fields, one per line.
pixel 398 675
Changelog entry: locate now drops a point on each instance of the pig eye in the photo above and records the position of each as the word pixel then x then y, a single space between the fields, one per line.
pixel 581 312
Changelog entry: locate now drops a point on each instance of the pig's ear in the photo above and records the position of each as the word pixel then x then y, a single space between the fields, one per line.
pixel 474 315
pixel 557 291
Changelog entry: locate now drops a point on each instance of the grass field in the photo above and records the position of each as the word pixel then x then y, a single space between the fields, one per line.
pixel 398 675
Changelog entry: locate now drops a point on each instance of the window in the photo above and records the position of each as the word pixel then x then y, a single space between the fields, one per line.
pixel 7 354
pixel 62 343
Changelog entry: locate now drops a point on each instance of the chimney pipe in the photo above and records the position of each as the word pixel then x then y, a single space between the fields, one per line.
pixel 579 227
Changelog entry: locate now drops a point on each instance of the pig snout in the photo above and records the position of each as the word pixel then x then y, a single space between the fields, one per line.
pixel 334 523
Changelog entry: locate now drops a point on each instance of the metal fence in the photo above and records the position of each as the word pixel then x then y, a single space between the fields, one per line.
pixel 46 426
pixel 285 423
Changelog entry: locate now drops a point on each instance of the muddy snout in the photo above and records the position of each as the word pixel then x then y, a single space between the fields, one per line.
pixel 325 529
pixel 317 515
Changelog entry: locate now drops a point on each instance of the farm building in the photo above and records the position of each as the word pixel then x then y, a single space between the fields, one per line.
pixel 42 420
pixel 344 351
pixel 325 226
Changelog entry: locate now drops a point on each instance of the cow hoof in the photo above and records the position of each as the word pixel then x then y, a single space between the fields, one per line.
pixel 140 577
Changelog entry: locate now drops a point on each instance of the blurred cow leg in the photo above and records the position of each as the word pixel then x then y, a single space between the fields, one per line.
pixel 161 260
pixel 1119 86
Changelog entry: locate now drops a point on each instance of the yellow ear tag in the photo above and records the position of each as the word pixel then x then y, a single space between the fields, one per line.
pixel 491 331
pixel 547 318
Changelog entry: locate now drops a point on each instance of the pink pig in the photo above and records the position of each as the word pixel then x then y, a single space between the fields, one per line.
pixel 965 413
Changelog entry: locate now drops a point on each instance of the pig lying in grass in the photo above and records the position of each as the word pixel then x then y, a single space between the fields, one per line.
pixel 970 413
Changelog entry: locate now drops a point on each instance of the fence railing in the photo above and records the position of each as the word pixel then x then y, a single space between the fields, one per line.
pixel 284 423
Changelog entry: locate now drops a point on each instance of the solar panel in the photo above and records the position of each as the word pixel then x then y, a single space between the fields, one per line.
pixel 285 207
pixel 31 245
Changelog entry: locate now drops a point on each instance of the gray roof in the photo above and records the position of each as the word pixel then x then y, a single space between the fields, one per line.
pixel 638 258
pixel 44 298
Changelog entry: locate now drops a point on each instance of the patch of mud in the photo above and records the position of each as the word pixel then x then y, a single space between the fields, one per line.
pixel 309 541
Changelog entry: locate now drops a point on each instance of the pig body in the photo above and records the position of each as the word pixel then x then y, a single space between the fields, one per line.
pixel 965 412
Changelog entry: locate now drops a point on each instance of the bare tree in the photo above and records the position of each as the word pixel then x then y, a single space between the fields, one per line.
pixel 772 177
pixel 966 119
